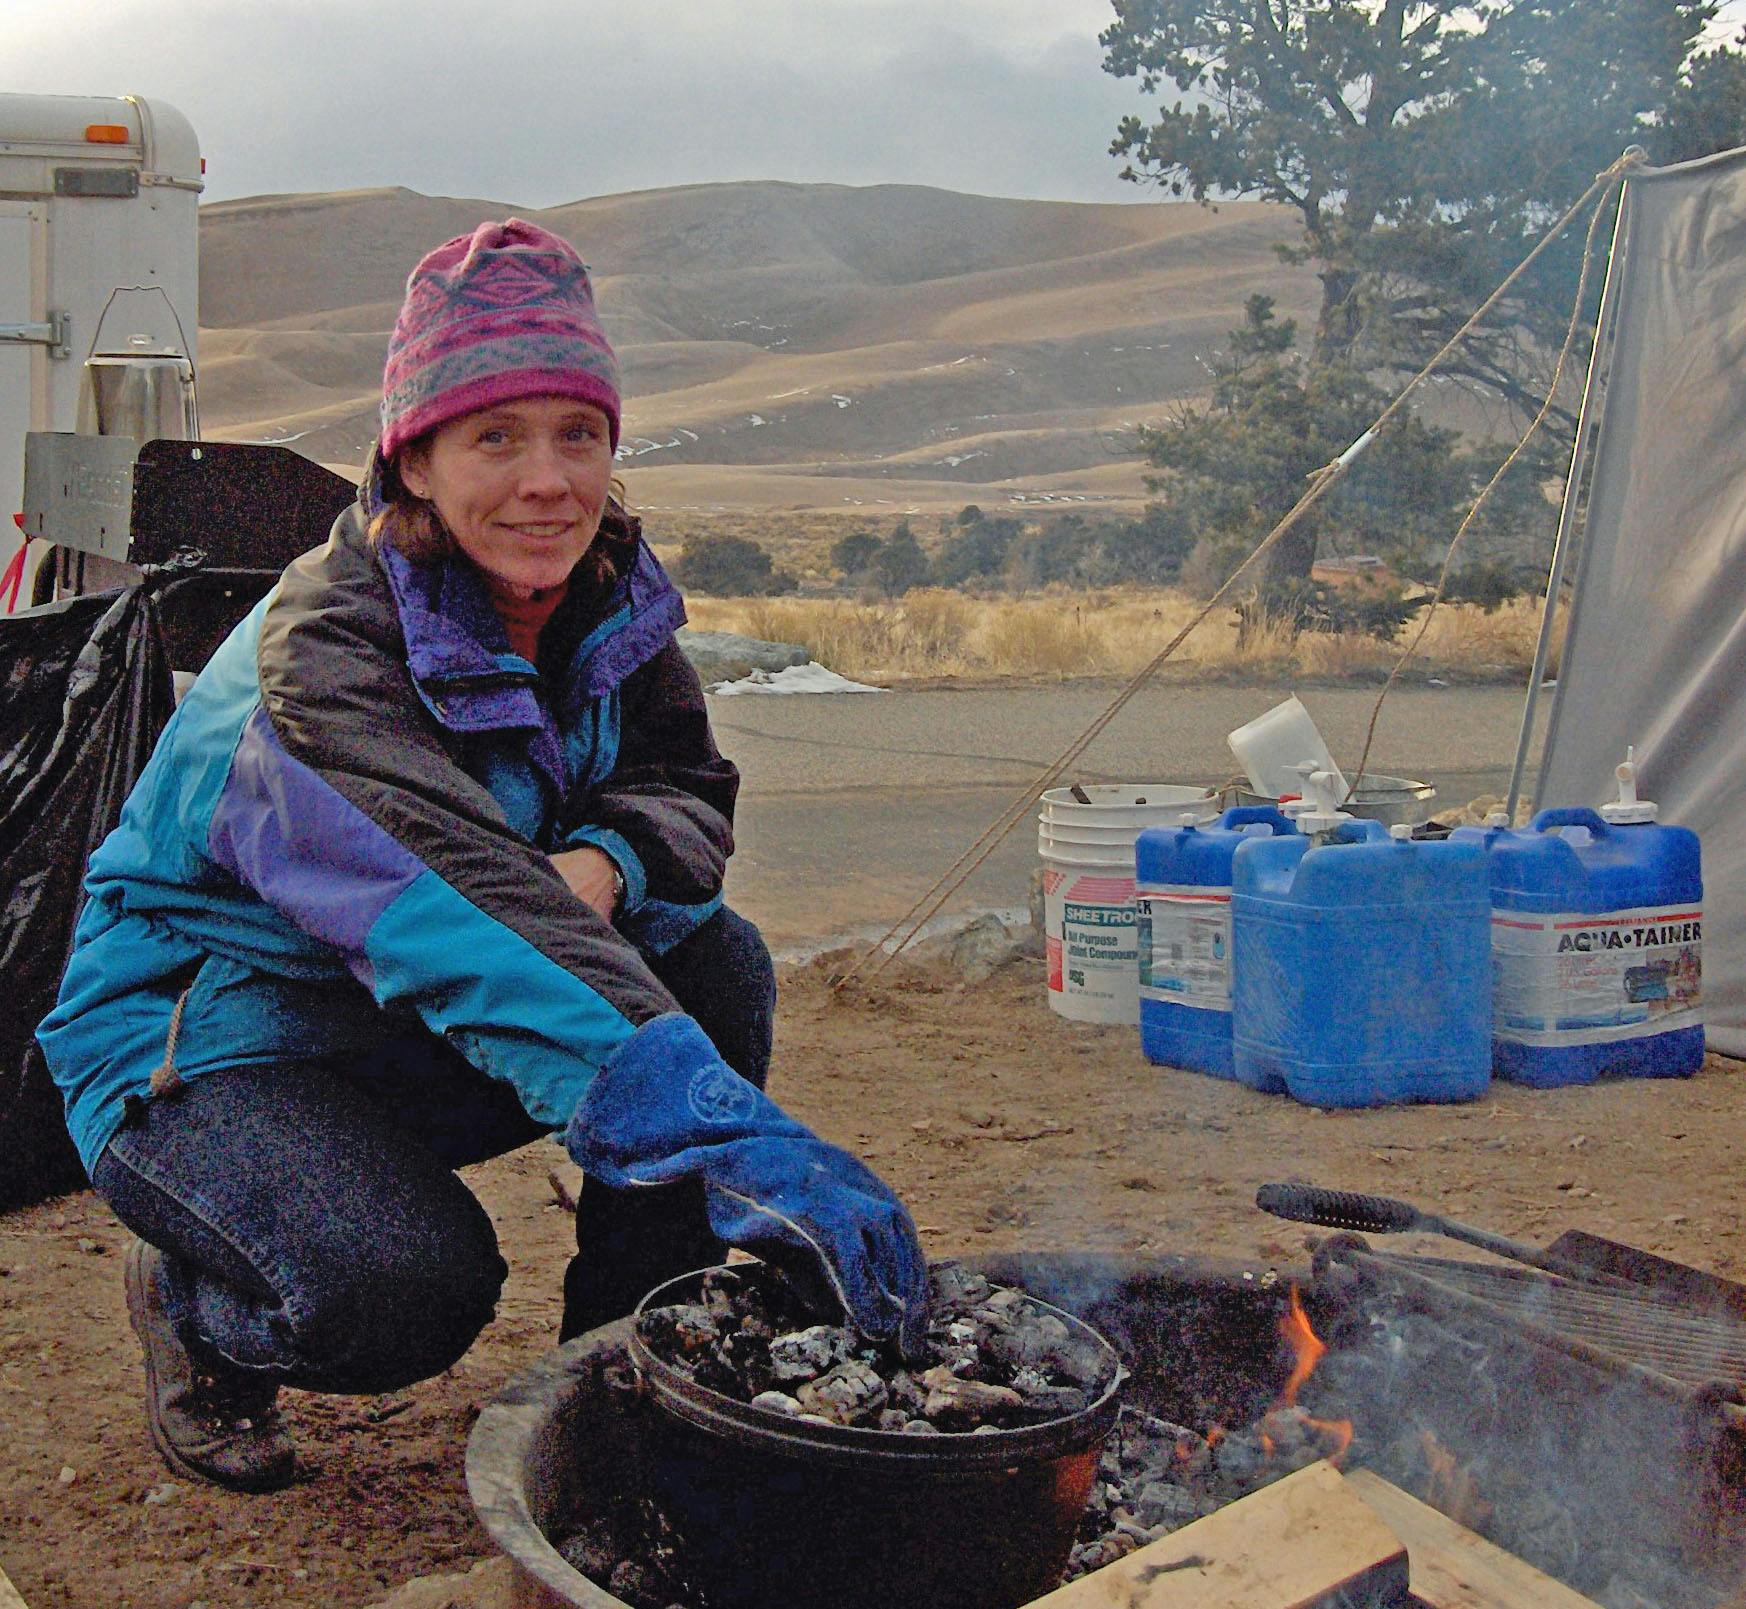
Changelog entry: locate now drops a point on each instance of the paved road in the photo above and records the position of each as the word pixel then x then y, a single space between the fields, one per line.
pixel 854 804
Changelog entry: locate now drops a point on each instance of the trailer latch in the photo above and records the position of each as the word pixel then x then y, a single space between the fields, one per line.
pixel 56 335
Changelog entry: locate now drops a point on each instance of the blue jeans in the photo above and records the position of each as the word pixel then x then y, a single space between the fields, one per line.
pixel 314 1227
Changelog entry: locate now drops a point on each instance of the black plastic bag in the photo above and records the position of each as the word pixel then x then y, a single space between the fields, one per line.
pixel 85 689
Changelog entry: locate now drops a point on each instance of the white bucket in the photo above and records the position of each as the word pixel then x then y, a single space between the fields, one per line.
pixel 1087 849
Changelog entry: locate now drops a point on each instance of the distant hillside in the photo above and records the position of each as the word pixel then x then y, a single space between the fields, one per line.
pixel 785 346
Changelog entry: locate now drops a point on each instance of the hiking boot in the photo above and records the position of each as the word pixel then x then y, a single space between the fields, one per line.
pixel 220 1427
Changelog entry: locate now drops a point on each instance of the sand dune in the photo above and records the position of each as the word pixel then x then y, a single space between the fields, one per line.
pixel 784 346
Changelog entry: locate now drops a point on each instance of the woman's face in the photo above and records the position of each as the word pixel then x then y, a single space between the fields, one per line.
pixel 520 486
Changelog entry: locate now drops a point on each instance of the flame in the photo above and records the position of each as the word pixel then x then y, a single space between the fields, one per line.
pixel 1309 1349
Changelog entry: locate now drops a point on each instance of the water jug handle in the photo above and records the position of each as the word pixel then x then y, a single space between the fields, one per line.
pixel 1572 816
pixel 1360 831
pixel 1250 815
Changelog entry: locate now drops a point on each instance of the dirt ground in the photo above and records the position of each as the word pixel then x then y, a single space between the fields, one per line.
pixel 1004 1127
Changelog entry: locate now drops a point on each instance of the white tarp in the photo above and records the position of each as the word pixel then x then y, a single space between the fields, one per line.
pixel 1656 650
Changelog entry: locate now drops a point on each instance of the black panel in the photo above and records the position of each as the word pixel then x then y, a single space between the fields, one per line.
pixel 245 508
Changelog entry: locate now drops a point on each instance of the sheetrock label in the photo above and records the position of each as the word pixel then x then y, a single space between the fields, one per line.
pixel 1089 923
pixel 1573 979
pixel 1185 945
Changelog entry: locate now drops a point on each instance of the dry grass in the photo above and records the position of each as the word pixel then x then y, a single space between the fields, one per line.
pixel 1104 633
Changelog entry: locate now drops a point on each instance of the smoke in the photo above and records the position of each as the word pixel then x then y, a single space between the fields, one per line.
pixel 1592 1480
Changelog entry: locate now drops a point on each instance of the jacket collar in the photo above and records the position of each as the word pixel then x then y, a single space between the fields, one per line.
pixel 459 654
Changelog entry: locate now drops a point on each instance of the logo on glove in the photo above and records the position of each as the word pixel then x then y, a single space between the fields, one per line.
pixel 721 1097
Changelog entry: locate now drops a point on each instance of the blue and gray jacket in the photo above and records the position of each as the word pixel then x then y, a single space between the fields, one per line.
pixel 344 833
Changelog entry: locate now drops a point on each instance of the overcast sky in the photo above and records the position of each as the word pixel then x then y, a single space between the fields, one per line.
pixel 544 101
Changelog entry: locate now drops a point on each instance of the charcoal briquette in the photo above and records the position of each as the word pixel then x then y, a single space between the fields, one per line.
pixel 1164 1503
pixel 951 1397
pixel 806 1354
pixel 848 1394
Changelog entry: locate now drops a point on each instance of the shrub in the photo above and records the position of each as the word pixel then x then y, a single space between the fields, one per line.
pixel 1491 584
pixel 978 549
pixel 900 563
pixel 854 554
pixel 730 567
pixel 1315 606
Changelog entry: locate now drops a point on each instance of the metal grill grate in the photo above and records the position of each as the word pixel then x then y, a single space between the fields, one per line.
pixel 1643 1328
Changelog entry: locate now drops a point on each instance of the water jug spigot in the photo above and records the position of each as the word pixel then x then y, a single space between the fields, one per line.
pixel 1497 819
pixel 1628 809
pixel 1321 812
pixel 1401 832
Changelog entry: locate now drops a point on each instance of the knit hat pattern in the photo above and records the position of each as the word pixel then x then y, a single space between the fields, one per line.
pixel 505 312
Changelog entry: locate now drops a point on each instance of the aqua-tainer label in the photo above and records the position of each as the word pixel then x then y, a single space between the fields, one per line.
pixel 1574 979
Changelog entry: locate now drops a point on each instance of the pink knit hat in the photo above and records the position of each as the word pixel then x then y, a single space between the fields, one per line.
pixel 504 312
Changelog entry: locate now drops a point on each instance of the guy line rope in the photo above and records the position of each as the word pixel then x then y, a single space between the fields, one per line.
pixel 1321 482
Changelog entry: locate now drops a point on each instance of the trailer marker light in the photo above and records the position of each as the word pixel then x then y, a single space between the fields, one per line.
pixel 108 134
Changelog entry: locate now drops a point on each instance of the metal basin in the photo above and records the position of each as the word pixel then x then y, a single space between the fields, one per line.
pixel 1390 800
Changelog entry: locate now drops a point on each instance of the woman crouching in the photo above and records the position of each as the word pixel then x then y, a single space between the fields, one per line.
pixel 429 863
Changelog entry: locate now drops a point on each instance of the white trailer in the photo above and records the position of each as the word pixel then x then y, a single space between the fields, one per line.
pixel 98 196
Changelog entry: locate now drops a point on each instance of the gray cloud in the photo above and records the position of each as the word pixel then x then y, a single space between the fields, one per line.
pixel 539 101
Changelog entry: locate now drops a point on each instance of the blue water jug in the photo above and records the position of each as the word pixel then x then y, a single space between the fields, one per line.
pixel 1182 899
pixel 1596 942
pixel 1361 967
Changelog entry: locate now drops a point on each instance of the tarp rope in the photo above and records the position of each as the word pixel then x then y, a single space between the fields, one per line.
pixel 1321 482
pixel 1617 171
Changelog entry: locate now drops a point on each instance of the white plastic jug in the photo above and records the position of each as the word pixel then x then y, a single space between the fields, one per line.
pixel 1271 747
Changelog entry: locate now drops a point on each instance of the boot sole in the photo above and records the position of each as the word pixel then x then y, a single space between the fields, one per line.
pixel 134 1283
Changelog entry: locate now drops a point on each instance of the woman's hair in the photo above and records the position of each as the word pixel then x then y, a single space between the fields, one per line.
pixel 414 529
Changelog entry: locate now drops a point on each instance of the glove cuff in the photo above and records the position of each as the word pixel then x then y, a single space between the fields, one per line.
pixel 662 1092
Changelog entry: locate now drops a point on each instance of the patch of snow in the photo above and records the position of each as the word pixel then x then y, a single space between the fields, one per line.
pixel 798 391
pixel 691 433
pixel 757 419
pixel 841 402
pixel 808 678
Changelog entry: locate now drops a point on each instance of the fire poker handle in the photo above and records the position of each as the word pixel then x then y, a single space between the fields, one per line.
pixel 1339 1209
pixel 1382 1215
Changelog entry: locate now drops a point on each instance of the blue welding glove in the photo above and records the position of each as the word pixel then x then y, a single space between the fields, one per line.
pixel 666 1107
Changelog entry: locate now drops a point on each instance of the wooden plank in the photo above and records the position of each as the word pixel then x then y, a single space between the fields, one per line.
pixel 1296 1544
pixel 10 1597
pixel 1455 1568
